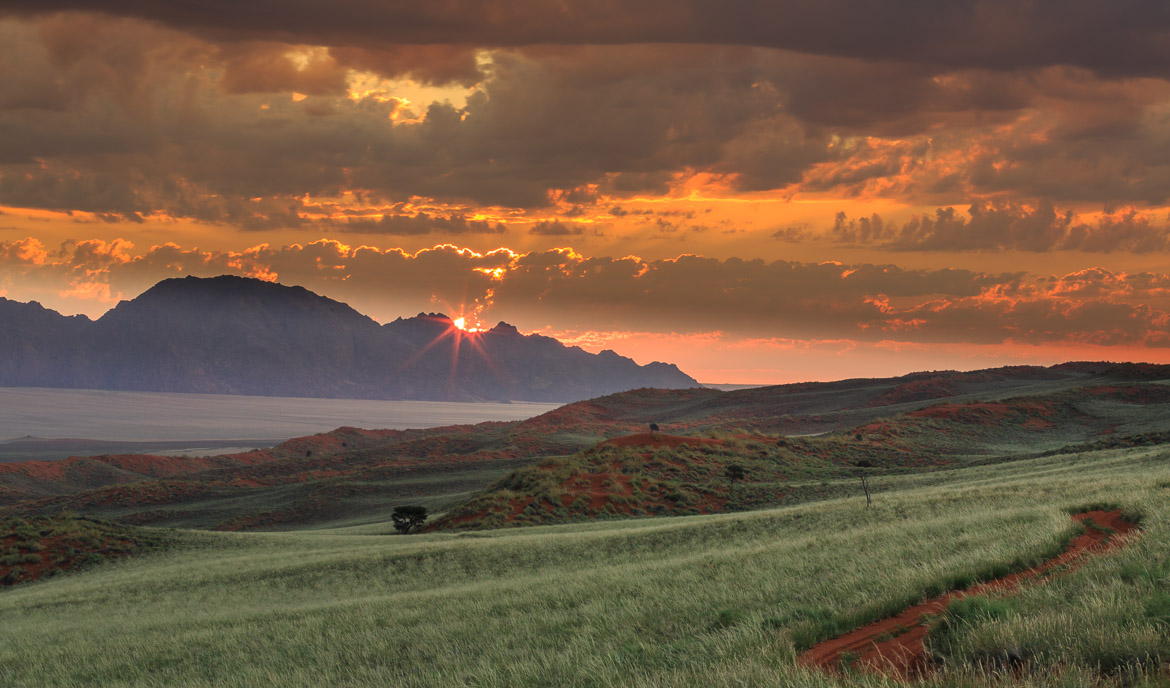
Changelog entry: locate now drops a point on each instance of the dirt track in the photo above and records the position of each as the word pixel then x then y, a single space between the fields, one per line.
pixel 901 653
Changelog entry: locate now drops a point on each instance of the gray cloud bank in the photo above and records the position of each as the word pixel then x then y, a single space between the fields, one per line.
pixel 1118 37
pixel 563 289
pixel 182 109
pixel 992 227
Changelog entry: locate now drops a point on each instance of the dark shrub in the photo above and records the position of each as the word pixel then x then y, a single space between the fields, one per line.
pixel 407 517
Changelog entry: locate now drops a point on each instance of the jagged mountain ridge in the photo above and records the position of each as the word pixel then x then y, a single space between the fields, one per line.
pixel 236 335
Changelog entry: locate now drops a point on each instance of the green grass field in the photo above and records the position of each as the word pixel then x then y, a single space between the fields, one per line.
pixel 720 600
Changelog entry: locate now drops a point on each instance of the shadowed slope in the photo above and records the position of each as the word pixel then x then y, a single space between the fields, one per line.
pixel 658 474
pixel 551 468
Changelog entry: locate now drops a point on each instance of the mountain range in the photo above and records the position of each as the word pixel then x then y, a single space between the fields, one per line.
pixel 236 335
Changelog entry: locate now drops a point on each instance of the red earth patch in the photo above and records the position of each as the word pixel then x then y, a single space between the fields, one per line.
pixel 39 547
pixel 653 440
pixel 987 413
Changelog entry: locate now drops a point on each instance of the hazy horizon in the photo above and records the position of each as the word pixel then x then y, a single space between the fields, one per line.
pixel 165 416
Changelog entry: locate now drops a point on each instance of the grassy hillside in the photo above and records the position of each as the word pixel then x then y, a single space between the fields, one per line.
pixel 716 600
pixel 329 477
pixel 648 475
pixel 644 475
pixel 350 476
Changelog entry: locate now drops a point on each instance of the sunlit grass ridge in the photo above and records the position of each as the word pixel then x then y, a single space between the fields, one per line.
pixel 705 600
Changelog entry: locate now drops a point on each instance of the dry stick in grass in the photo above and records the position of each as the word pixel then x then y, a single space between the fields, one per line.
pixel 862 465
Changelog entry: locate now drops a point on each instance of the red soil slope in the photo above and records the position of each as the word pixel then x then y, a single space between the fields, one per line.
pixel 655 440
pixel 42 547
pixel 636 483
pixel 27 480
pixel 904 656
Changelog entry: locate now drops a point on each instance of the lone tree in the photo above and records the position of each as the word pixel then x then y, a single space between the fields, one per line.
pixel 653 429
pixel 861 466
pixel 407 517
pixel 734 472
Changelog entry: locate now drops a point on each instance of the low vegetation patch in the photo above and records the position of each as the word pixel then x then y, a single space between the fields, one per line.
pixel 40 547
pixel 663 475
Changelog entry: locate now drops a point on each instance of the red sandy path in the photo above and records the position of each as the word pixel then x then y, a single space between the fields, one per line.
pixel 904 656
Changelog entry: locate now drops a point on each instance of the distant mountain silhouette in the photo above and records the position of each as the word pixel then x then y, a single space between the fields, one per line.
pixel 235 335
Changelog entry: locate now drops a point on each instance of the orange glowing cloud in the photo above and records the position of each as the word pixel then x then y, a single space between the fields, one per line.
pixel 562 288
pixel 781 186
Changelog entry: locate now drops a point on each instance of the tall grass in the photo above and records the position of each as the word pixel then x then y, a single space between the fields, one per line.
pixel 1109 619
pixel 708 600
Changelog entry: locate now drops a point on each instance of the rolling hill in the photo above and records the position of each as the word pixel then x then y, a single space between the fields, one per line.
pixel 796 443
pixel 651 474
pixel 966 570
pixel 712 600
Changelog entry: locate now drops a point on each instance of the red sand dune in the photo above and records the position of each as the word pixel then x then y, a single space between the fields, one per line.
pixel 904 656
pixel 24 480
pixel 594 486
pixel 916 390
pixel 59 553
pixel 647 439
pixel 986 413
pixel 147 465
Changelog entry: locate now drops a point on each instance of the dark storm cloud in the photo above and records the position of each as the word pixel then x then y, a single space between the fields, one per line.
pixel 203 144
pixel 128 118
pixel 1117 37
pixel 862 301
pixel 422 223
pixel 560 288
pixel 557 229
pixel 752 297
pixel 1004 226
pixel 1059 133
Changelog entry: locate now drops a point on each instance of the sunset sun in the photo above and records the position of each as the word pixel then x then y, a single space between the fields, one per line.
pixel 461 323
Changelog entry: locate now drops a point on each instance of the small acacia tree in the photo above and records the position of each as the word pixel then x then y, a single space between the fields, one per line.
pixel 734 473
pixel 861 466
pixel 407 517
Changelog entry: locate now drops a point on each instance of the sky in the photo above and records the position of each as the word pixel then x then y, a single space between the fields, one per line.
pixel 759 192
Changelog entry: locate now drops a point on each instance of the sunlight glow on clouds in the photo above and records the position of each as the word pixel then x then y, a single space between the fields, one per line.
pixel 636 305
pixel 774 179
